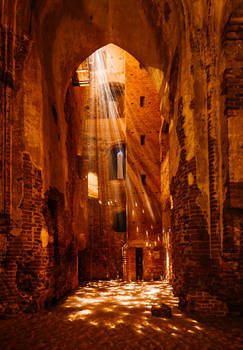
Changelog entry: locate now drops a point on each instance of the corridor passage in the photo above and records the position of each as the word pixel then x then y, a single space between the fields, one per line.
pixel 117 315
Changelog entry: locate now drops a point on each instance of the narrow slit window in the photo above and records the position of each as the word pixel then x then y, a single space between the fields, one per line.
pixel 82 75
pixel 120 222
pixel 142 140
pixel 142 98
pixel 79 166
pixel 143 178
pixel 118 162
pixel 120 174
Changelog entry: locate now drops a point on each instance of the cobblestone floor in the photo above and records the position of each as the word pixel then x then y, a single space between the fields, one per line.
pixel 117 315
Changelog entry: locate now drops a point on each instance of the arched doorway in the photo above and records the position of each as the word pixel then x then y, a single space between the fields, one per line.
pixel 115 130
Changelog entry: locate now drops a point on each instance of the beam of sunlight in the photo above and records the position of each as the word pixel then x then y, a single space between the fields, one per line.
pixel 106 125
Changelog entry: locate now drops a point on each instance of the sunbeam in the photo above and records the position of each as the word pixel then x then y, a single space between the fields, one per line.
pixel 119 172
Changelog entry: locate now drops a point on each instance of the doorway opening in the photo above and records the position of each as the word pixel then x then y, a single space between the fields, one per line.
pixel 139 264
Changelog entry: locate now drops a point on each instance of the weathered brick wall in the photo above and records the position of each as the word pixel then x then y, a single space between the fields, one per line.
pixel 6 100
pixel 232 90
pixel 193 169
pixel 153 263
pixel 91 136
pixel 203 302
pixel 206 209
pixel 198 75
pixel 39 265
pixel 190 242
pixel 130 264
pixel 143 200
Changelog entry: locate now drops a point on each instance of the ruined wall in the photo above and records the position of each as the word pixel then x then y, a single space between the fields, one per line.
pixel 190 145
pixel 199 158
pixel 38 247
pixel 143 160
pixel 194 60
pixel 232 156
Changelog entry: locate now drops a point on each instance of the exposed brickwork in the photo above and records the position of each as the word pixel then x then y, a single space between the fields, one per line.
pixel 231 272
pixel 35 271
pixel 204 303
pixel 20 264
pixel 153 267
pixel 13 51
pixel 190 243
pixel 218 229
pixel 104 247
pixel 200 84
pixel 6 96
pixel 143 202
pixel 130 269
pixel 164 140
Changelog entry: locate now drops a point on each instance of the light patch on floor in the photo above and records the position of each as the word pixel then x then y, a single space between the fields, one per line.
pixel 116 315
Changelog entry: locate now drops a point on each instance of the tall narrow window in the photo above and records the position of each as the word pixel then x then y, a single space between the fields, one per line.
pixel 79 166
pixel 142 98
pixel 82 75
pixel 143 178
pixel 120 174
pixel 120 222
pixel 142 140
pixel 118 162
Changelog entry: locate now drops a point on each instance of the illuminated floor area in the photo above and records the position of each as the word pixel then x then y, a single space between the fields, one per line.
pixel 117 315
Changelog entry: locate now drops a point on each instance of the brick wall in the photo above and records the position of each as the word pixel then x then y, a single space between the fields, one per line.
pixel 143 201
pixel 201 97
pixel 39 265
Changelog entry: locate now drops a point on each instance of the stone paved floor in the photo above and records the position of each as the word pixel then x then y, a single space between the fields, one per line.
pixel 116 315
